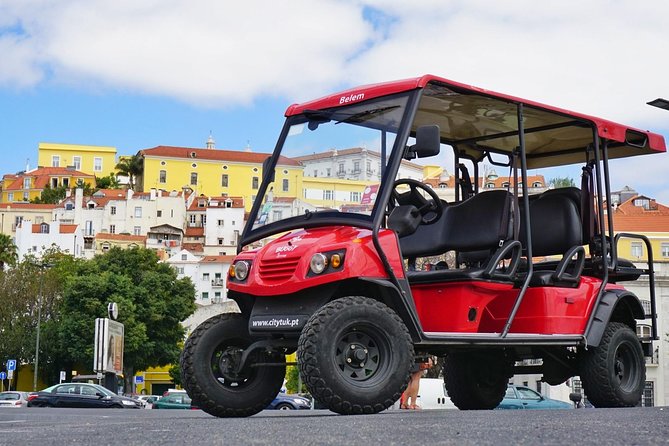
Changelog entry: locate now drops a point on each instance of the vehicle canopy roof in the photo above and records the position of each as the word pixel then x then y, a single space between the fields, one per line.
pixel 475 121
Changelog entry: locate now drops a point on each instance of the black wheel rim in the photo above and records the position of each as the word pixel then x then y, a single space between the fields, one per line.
pixel 224 363
pixel 362 355
pixel 625 367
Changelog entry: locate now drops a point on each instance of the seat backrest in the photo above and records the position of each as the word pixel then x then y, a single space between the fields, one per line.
pixel 479 223
pixel 555 223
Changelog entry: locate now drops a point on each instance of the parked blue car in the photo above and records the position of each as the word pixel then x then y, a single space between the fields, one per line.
pixel 519 397
pixel 289 402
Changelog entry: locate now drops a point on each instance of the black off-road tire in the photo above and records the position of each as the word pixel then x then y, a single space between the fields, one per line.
pixel 373 338
pixel 614 373
pixel 212 388
pixel 476 381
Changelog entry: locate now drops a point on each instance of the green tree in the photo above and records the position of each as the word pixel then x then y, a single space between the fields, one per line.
pixel 51 195
pixel 8 253
pixel 561 182
pixel 85 186
pixel 131 167
pixel 108 182
pixel 152 304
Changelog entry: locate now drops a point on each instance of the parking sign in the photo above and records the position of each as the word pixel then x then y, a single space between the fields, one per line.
pixel 11 364
pixel 3 375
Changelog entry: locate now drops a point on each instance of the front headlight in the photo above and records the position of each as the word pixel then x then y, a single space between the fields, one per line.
pixel 241 270
pixel 318 263
pixel 128 403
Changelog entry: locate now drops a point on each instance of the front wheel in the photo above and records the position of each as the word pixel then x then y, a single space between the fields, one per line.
pixel 355 354
pixel 209 369
pixel 614 372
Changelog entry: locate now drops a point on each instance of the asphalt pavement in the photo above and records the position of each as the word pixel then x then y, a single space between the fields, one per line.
pixel 43 426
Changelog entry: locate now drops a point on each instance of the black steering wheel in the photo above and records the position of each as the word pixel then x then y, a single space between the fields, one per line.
pixel 430 210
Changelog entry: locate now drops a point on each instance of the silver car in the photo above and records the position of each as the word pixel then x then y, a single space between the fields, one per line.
pixel 13 399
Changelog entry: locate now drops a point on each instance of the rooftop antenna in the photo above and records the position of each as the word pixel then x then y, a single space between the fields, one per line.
pixel 248 146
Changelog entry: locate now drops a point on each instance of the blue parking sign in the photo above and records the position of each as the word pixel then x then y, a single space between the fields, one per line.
pixel 11 364
pixel 3 375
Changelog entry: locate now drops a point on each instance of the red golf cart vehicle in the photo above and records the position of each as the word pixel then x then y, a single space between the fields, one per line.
pixel 363 264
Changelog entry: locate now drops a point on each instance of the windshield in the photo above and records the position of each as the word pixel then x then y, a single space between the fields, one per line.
pixel 332 161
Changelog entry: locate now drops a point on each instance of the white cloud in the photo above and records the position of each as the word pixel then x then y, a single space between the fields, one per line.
pixel 602 57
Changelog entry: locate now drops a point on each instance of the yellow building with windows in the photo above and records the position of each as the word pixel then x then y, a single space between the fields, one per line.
pixel 215 172
pixel 93 160
pixel 29 185
pixel 642 215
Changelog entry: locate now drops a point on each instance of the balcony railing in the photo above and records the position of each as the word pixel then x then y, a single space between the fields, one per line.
pixel 217 283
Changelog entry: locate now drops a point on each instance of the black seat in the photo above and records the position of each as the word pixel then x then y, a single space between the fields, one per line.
pixel 556 229
pixel 480 223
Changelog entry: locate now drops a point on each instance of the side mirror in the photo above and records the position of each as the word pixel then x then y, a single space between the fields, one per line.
pixel 428 142
pixel 99 394
pixel 265 169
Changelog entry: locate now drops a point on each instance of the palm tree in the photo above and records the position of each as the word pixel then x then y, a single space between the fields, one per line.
pixel 8 252
pixel 131 167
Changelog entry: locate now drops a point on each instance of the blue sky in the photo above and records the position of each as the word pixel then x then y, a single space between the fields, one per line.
pixel 139 73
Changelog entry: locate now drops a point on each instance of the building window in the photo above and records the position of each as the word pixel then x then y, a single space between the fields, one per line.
pixel 55 161
pixel 159 213
pixel 205 277
pixel 137 230
pixel 205 295
pixel 105 247
pixel 356 166
pixel 285 183
pixel 138 211
pixel 203 219
pixel 26 196
pixel 254 183
pixel 328 172
pixel 648 399
pixel 490 185
pixel 26 183
pixel 665 250
pixel 54 183
pixel 112 210
pixel 637 249
pixel 221 222
pixel 646 306
pixel 355 197
pixel 341 168
pixel 180 269
pixel 76 162
pixel 193 178
pixel 97 164
pixel 277 215
pixel 162 176
pixel 184 256
pixel 220 241
pixel 44 228
pixel 369 167
pixel 224 180
pixel 66 182
pixel 217 296
pixel 643 203
pixel 112 229
pixel 10 196
pixel 327 195
pixel 192 218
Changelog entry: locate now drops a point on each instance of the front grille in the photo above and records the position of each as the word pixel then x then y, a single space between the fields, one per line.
pixel 276 270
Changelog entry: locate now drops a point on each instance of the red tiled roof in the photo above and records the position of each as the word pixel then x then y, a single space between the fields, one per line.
pixel 42 176
pixel 217 259
pixel 193 247
pixel 641 223
pixel 237 202
pixel 213 154
pixel 64 229
pixel 27 206
pixel 194 232
pixel 120 237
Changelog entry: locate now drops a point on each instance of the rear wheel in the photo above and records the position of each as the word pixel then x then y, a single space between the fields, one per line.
pixel 614 373
pixel 284 406
pixel 476 381
pixel 208 369
pixel 355 354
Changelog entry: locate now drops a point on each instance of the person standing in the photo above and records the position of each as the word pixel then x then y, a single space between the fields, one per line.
pixel 410 396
